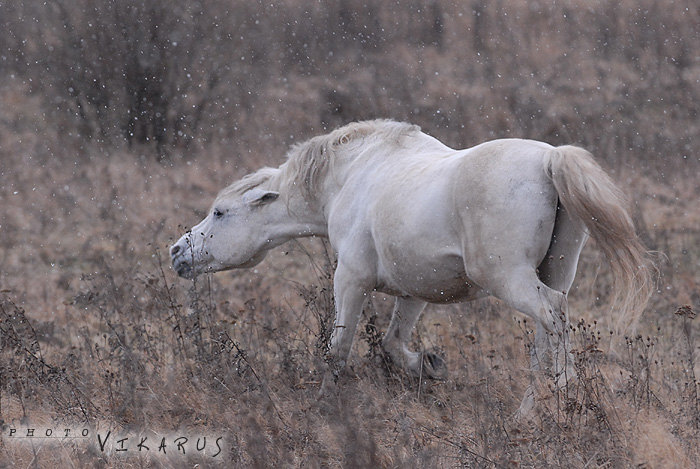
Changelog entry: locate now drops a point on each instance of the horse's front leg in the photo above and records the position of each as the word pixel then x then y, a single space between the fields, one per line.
pixel 398 335
pixel 350 296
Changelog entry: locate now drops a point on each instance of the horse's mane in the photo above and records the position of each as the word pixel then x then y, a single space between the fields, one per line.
pixel 309 162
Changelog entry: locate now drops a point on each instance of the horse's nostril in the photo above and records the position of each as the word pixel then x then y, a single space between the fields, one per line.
pixel 174 250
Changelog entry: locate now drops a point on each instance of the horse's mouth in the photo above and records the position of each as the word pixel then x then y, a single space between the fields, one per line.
pixel 183 268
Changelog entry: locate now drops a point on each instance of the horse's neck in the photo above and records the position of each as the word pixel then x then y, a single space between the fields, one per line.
pixel 306 217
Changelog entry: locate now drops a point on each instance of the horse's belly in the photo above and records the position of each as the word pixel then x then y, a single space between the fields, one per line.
pixel 453 291
pixel 434 283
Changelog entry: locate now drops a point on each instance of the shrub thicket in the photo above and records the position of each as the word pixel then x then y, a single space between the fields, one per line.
pixel 619 77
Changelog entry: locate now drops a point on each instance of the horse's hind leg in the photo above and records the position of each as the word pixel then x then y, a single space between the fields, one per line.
pixel 398 335
pixel 520 288
pixel 548 307
pixel 558 268
pixel 550 351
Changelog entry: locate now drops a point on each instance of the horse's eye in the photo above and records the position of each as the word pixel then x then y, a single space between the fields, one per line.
pixel 218 213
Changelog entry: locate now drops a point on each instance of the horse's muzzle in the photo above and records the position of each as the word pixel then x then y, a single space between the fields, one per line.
pixel 180 264
pixel 183 268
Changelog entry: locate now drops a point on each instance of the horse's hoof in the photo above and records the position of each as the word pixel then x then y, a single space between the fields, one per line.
pixel 434 366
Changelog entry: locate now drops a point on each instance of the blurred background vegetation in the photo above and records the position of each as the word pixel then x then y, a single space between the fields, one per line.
pixel 619 77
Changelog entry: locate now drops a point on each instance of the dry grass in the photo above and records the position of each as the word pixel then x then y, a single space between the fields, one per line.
pixel 97 331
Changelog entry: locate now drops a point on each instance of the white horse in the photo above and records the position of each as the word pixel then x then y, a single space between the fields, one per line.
pixel 411 217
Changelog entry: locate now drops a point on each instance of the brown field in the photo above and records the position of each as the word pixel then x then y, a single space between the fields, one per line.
pixel 119 125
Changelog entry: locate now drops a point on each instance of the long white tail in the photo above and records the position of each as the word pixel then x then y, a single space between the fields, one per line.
pixel 588 193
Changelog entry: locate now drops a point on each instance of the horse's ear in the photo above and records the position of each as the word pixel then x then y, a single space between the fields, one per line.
pixel 260 196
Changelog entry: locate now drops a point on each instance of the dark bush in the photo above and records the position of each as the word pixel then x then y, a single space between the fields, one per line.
pixel 139 71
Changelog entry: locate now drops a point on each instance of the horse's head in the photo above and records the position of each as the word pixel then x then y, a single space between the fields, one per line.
pixel 236 233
